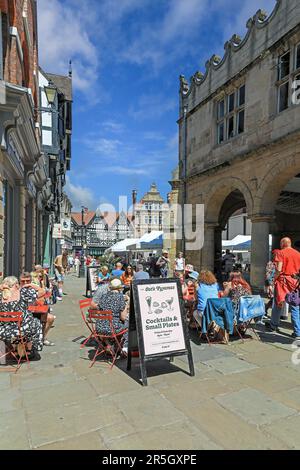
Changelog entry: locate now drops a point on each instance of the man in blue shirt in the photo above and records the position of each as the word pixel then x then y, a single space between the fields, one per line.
pixel 140 273
pixel 117 273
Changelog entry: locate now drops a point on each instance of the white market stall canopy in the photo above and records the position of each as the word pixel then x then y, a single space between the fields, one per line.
pixel 122 246
pixel 149 241
pixel 241 243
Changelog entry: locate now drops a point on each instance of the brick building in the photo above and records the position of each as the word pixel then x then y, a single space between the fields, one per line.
pixel 240 136
pixel 25 190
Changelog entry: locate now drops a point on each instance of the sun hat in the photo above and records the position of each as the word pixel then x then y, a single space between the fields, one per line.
pixel 165 251
pixel 194 275
pixel 189 268
pixel 116 284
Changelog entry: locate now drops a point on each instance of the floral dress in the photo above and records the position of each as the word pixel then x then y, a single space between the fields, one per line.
pixel 235 294
pixel 31 328
pixel 115 302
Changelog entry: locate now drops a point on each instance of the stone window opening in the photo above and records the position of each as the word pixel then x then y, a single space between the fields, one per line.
pixel 288 75
pixel 231 115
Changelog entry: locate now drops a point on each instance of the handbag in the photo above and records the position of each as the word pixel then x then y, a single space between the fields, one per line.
pixel 293 298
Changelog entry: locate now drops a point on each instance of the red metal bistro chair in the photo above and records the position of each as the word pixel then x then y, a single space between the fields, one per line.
pixel 84 306
pixel 14 317
pixel 102 339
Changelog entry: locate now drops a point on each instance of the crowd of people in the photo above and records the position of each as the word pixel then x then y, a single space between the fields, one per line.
pixel 197 288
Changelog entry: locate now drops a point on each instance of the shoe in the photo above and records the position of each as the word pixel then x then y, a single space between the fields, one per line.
pixel 295 336
pixel 34 356
pixel 48 343
pixel 59 299
pixel 269 327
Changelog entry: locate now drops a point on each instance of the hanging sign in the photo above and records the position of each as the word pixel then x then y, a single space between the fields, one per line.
pixel 56 233
pixel 157 323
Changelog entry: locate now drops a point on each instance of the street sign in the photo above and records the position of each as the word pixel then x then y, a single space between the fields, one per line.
pixel 157 323
pixel 66 224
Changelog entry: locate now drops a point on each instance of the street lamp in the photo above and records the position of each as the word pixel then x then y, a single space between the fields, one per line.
pixel 51 93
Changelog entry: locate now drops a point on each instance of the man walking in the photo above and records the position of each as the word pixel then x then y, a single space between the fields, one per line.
pixel 77 266
pixel 287 262
pixel 60 266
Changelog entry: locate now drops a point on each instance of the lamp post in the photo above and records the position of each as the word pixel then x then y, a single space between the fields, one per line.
pixel 83 236
pixel 184 176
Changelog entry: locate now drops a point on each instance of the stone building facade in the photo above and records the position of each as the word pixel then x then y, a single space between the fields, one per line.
pixel 150 213
pixel 239 131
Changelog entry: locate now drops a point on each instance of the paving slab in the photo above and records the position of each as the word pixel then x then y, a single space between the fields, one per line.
pixel 287 430
pixel 230 365
pixel 13 431
pixel 228 430
pixel 254 407
pixel 146 408
pixel 89 441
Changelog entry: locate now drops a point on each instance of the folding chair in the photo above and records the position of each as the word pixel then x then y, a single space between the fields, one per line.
pixel 14 317
pixel 84 306
pixel 218 311
pixel 101 339
pixel 251 307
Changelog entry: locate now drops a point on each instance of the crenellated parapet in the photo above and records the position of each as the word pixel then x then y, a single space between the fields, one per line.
pixel 263 31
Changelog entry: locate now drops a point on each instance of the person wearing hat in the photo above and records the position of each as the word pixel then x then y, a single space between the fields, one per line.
pixel 114 301
pixel 163 263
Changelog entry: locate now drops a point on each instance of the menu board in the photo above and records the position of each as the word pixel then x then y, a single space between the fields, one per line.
pixel 157 323
pixel 161 318
pixel 91 280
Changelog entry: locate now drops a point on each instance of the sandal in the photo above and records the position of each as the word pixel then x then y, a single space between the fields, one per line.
pixel 48 343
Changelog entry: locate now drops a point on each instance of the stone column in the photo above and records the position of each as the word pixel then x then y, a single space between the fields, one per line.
pixel 260 249
pixel 208 250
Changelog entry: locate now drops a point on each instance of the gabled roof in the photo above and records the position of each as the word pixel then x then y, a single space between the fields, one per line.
pixel 152 195
pixel 108 217
pixel 63 84
pixel 87 218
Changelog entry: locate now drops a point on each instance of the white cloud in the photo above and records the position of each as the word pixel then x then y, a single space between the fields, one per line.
pixel 64 34
pixel 79 195
pixel 113 126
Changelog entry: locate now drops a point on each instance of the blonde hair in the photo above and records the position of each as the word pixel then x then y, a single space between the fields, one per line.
pixel 10 281
pixel 104 268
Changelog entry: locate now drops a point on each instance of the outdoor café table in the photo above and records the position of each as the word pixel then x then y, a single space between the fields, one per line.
pixel 40 312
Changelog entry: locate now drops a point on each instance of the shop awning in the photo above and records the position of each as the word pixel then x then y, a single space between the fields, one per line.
pixel 149 241
pixel 122 246
pixel 241 243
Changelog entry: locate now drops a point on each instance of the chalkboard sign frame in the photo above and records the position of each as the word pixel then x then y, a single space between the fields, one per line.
pixel 135 330
pixel 88 288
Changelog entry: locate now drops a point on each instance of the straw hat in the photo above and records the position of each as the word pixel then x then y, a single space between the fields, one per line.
pixel 116 284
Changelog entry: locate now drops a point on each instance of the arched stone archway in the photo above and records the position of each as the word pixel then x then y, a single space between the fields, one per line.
pixel 216 195
pixel 273 183
pixel 221 200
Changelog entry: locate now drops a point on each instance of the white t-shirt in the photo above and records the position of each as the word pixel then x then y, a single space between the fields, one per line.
pixel 179 264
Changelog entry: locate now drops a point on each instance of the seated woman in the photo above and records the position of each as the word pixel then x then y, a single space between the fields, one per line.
pixel 115 302
pixel 103 276
pixel 27 282
pixel 189 293
pixel 127 278
pixel 236 288
pixel 16 299
pixel 208 289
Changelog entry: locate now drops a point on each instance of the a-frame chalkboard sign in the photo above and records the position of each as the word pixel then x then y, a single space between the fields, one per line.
pixel 157 323
pixel 91 275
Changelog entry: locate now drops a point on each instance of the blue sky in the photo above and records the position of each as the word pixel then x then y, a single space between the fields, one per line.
pixel 127 56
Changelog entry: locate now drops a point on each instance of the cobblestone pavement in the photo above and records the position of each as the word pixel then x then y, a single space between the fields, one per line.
pixel 244 396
